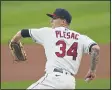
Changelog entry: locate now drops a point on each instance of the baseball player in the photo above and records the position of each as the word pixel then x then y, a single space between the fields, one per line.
pixel 64 49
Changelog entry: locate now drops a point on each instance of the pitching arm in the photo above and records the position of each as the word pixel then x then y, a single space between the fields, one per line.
pixel 94 53
pixel 92 48
pixel 95 50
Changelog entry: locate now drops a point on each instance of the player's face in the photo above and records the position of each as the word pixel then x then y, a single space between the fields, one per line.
pixel 56 22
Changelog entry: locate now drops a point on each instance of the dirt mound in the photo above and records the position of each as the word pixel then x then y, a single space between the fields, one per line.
pixel 33 68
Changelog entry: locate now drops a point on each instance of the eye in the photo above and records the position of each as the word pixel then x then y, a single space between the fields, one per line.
pixel 54 18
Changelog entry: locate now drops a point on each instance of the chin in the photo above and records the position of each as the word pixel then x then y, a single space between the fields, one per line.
pixel 53 26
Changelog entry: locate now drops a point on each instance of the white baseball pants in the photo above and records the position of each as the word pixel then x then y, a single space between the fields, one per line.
pixel 54 80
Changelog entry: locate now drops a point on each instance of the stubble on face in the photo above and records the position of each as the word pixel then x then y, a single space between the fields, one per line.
pixel 56 23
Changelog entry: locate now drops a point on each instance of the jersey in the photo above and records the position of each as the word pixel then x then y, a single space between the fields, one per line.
pixel 63 47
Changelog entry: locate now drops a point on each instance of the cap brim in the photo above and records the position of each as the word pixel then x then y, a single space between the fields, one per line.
pixel 50 15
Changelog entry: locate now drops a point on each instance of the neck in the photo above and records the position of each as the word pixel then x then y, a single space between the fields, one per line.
pixel 66 26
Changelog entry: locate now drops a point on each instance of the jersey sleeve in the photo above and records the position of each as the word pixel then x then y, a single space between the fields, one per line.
pixel 38 35
pixel 87 43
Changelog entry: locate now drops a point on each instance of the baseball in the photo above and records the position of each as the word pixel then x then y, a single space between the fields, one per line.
pixel 87 79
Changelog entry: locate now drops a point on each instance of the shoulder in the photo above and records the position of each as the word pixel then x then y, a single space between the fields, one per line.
pixel 83 36
pixel 73 31
pixel 45 28
pixel 80 35
pixel 42 28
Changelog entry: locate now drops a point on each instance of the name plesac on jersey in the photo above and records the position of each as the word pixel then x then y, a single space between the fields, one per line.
pixel 66 35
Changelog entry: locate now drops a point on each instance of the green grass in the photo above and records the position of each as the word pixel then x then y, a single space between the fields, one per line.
pixel 89 17
pixel 95 84
pixel 16 85
pixel 80 84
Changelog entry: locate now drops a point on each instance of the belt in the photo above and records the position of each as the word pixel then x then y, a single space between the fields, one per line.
pixel 62 71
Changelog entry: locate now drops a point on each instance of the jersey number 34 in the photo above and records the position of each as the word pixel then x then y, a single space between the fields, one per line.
pixel 72 51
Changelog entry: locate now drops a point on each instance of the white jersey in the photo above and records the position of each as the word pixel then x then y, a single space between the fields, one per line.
pixel 63 47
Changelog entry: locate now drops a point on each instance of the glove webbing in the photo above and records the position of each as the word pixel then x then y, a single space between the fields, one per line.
pixel 17 50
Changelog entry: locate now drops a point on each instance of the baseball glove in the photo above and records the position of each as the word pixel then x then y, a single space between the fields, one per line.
pixel 17 51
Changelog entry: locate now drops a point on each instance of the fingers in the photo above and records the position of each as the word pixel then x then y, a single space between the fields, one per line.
pixel 89 77
pixel 87 80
